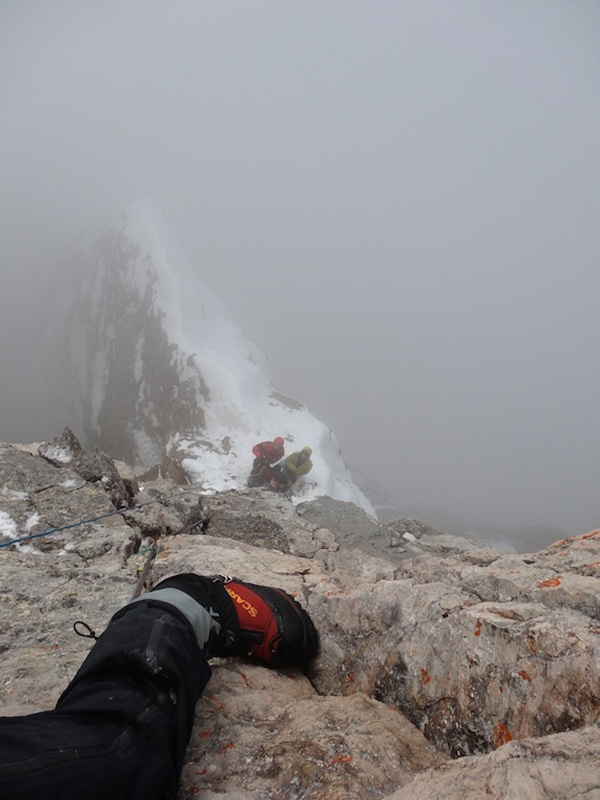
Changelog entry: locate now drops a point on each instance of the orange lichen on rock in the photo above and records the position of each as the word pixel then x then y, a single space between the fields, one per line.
pixel 522 674
pixel 218 704
pixel 562 542
pixel 531 643
pixel 348 683
pixel 245 679
pixel 339 759
pixel 425 675
pixel 502 735
pixel 478 628
pixel 549 582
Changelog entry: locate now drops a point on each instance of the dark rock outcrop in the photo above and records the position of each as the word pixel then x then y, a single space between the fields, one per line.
pixel 94 467
pixel 131 385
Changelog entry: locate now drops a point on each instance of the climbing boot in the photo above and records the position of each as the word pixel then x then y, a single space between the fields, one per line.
pixel 262 623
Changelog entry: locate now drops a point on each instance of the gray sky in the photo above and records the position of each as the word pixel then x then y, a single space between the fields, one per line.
pixel 398 201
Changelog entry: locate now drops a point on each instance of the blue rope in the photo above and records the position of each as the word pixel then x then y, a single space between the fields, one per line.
pixel 88 521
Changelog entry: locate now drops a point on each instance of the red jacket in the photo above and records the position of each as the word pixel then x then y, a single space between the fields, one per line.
pixel 270 451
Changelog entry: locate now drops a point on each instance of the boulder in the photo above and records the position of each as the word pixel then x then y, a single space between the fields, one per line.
pixel 472 653
pixel 95 467
pixel 564 765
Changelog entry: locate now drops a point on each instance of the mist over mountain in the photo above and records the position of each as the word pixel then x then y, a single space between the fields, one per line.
pixel 523 538
pixel 397 202
pixel 132 350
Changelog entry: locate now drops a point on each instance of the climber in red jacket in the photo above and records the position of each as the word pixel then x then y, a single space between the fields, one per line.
pixel 266 454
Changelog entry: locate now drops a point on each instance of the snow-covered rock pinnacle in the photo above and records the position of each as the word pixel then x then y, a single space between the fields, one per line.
pixel 157 366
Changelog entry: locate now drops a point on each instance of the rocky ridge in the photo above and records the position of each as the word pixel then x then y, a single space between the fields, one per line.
pixel 446 668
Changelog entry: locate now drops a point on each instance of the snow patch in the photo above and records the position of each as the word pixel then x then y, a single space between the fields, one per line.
pixel 8 527
pixel 12 494
pixel 58 453
pixel 9 530
pixel 31 521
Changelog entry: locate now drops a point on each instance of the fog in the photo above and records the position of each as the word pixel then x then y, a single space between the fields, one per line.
pixel 398 201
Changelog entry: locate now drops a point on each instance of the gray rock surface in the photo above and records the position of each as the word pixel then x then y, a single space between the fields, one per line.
pixel 422 658
pixel 563 765
pixel 473 649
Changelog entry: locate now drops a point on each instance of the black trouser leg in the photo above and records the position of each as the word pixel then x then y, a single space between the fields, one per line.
pixel 120 730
